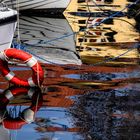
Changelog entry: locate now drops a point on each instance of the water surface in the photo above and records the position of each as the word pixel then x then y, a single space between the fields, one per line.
pixel 95 97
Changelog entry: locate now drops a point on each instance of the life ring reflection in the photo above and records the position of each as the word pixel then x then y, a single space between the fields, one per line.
pixel 27 115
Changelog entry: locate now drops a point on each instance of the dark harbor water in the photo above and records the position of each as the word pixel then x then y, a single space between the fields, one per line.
pixel 91 89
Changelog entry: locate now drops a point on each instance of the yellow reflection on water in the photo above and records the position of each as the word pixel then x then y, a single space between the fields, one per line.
pixel 111 38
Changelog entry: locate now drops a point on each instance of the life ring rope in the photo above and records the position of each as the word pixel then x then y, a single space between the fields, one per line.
pixel 29 60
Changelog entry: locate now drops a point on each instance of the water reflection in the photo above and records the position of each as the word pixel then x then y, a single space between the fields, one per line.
pixel 108 114
pixel 34 32
pixel 103 98
pixel 102 5
pixel 109 39
pixel 83 102
pixel 14 117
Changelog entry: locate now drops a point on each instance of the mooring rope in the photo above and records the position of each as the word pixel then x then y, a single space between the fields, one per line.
pixel 136 46
pixel 96 24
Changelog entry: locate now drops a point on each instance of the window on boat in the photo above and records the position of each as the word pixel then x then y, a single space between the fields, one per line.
pixel 82 21
pixel 80 1
pixel 108 1
pixel 93 40
pixel 82 40
pixel 82 28
pixel 81 9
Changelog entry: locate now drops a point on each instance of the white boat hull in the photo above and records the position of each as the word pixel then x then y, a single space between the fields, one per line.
pixel 37 4
pixel 7 37
pixel 7 28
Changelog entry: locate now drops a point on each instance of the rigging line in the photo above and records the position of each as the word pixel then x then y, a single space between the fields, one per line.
pixel 90 65
pixel 37 102
pixel 96 24
pixel 115 18
pixel 104 61
pixel 18 30
pixel 42 58
pixel 125 21
pixel 88 19
pixel 14 115
pixel 111 59
pixel 98 6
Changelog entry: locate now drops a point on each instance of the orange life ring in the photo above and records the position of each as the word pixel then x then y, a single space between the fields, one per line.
pixel 27 115
pixel 12 53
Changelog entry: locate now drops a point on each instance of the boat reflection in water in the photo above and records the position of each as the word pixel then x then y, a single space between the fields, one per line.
pixel 83 102
pixel 100 41
pixel 94 102
pixel 36 31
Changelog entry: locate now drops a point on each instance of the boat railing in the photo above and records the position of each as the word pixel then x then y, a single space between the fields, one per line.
pixel 3 7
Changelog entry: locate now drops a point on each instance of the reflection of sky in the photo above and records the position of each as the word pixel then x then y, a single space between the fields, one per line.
pixel 73 76
pixel 134 74
pixel 27 132
pixel 19 68
pixel 57 117
pixel 30 134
